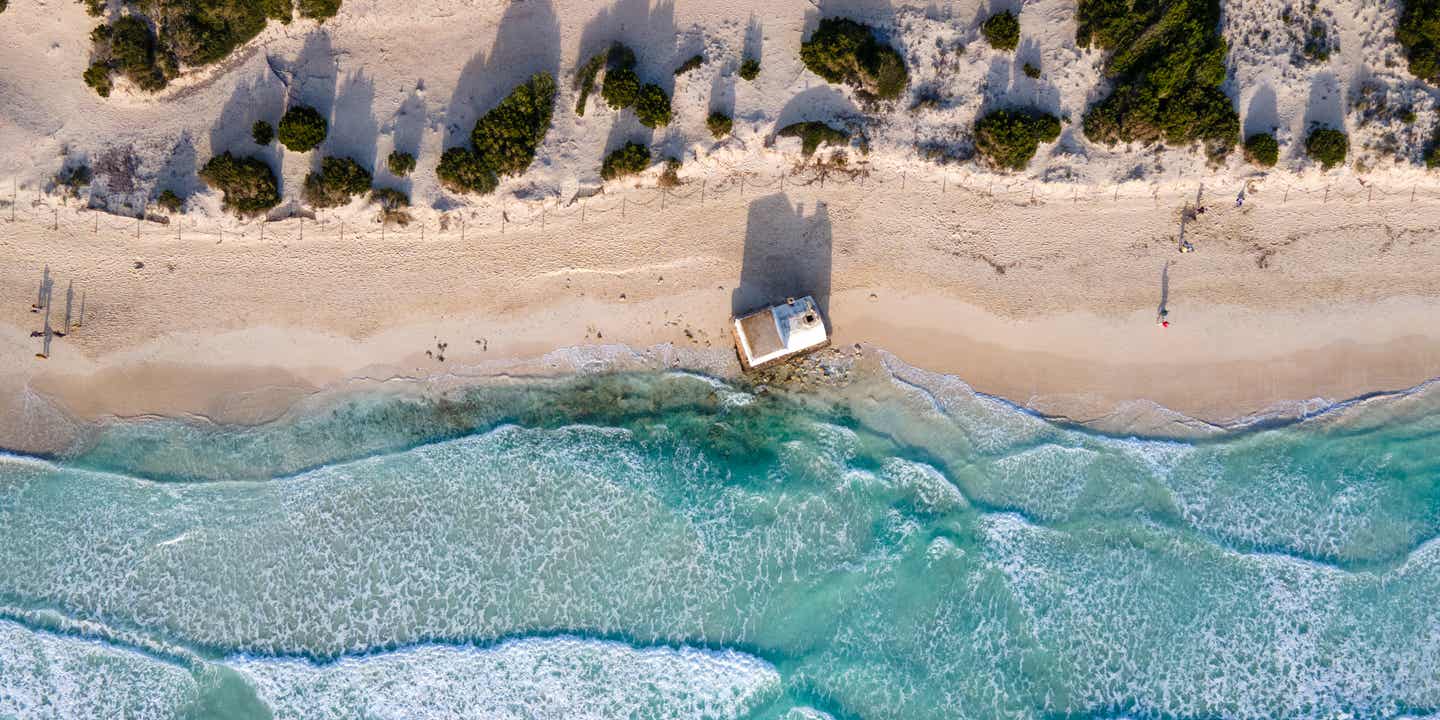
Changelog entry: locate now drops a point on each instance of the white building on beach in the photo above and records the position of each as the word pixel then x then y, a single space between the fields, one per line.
pixel 780 332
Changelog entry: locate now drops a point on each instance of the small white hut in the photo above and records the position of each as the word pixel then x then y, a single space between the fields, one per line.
pixel 780 332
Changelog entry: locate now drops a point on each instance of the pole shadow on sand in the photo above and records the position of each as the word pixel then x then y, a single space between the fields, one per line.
pixel 787 254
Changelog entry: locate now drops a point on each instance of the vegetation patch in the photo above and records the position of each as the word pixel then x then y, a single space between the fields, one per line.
pixel 302 129
pixel 1167 63
pixel 1262 149
pixel 1419 33
pixel 169 201
pixel 461 171
pixel 622 87
pixel 400 163
pixel 844 51
pixel 1327 146
pixel 128 47
pixel 749 69
pixel 1007 139
pixel 813 134
pixel 585 80
pixel 248 185
pixel 1031 71
pixel 338 180
pixel 652 106
pixel 262 133
pixel 693 63
pixel 504 140
pixel 629 160
pixel 719 123
pixel 393 204
pixel 69 180
pixel 1002 30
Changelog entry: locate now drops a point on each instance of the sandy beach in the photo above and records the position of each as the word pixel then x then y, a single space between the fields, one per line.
pixel 1051 305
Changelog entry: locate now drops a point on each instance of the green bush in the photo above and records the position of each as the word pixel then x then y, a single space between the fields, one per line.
pixel 262 133
pixel 72 178
pixel 693 63
pixel 652 106
pixel 1007 139
pixel 1031 71
pixel 1419 33
pixel 461 171
pixel 1167 65
pixel 813 134
pixel 719 123
pixel 400 163
pixel 170 201
pixel 390 199
pixel 97 76
pixel 302 129
pixel 1328 146
pixel 338 180
pixel 844 51
pixel 95 8
pixel 1432 154
pixel 1002 30
pixel 749 69
pixel 249 185
pixel 628 160
pixel 621 88
pixel 207 31
pixel 507 137
pixel 1262 149
pixel 318 9
pixel 585 80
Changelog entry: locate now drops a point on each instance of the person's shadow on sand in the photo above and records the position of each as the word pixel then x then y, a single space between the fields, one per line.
pixel 787 254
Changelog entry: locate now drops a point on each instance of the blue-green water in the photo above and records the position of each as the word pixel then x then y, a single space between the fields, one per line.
pixel 664 546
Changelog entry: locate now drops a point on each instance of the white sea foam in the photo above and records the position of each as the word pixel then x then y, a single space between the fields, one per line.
pixel 562 677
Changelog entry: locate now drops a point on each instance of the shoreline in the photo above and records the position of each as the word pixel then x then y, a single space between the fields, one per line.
pixel 1050 306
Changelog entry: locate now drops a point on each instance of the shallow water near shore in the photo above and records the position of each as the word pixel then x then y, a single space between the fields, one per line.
pixel 660 545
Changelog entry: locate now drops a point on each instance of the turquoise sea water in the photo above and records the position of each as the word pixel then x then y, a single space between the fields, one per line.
pixel 660 545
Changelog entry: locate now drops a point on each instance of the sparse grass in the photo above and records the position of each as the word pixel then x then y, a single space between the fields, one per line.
pixel 1328 146
pixel 844 51
pixel 302 129
pixel 1002 30
pixel 670 176
pixel 1007 139
pixel 1262 149
pixel 719 124
pixel 629 160
pixel 393 204
pixel 1167 65
pixel 693 63
pixel 813 134
pixel 248 185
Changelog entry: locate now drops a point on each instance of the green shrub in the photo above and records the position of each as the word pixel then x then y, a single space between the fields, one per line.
pixel 1007 139
pixel 507 137
pixel 461 171
pixel 249 185
pixel 622 86
pixel 302 129
pixel 1031 71
pixel 338 180
pixel 1432 154
pixel 318 9
pixel 207 31
pixel 1002 30
pixel 585 80
pixel 1328 146
pixel 749 69
pixel 1167 65
pixel 844 51
pixel 400 163
pixel 693 63
pixel 719 123
pixel 1262 149
pixel 262 133
pixel 72 178
pixel 95 8
pixel 1419 33
pixel 652 106
pixel 813 134
pixel 170 201
pixel 390 198
pixel 97 76
pixel 628 160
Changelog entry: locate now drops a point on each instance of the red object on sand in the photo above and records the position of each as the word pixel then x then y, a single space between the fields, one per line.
pixel 1165 324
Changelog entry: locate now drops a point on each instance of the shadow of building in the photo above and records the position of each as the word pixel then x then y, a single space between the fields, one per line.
pixel 787 254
